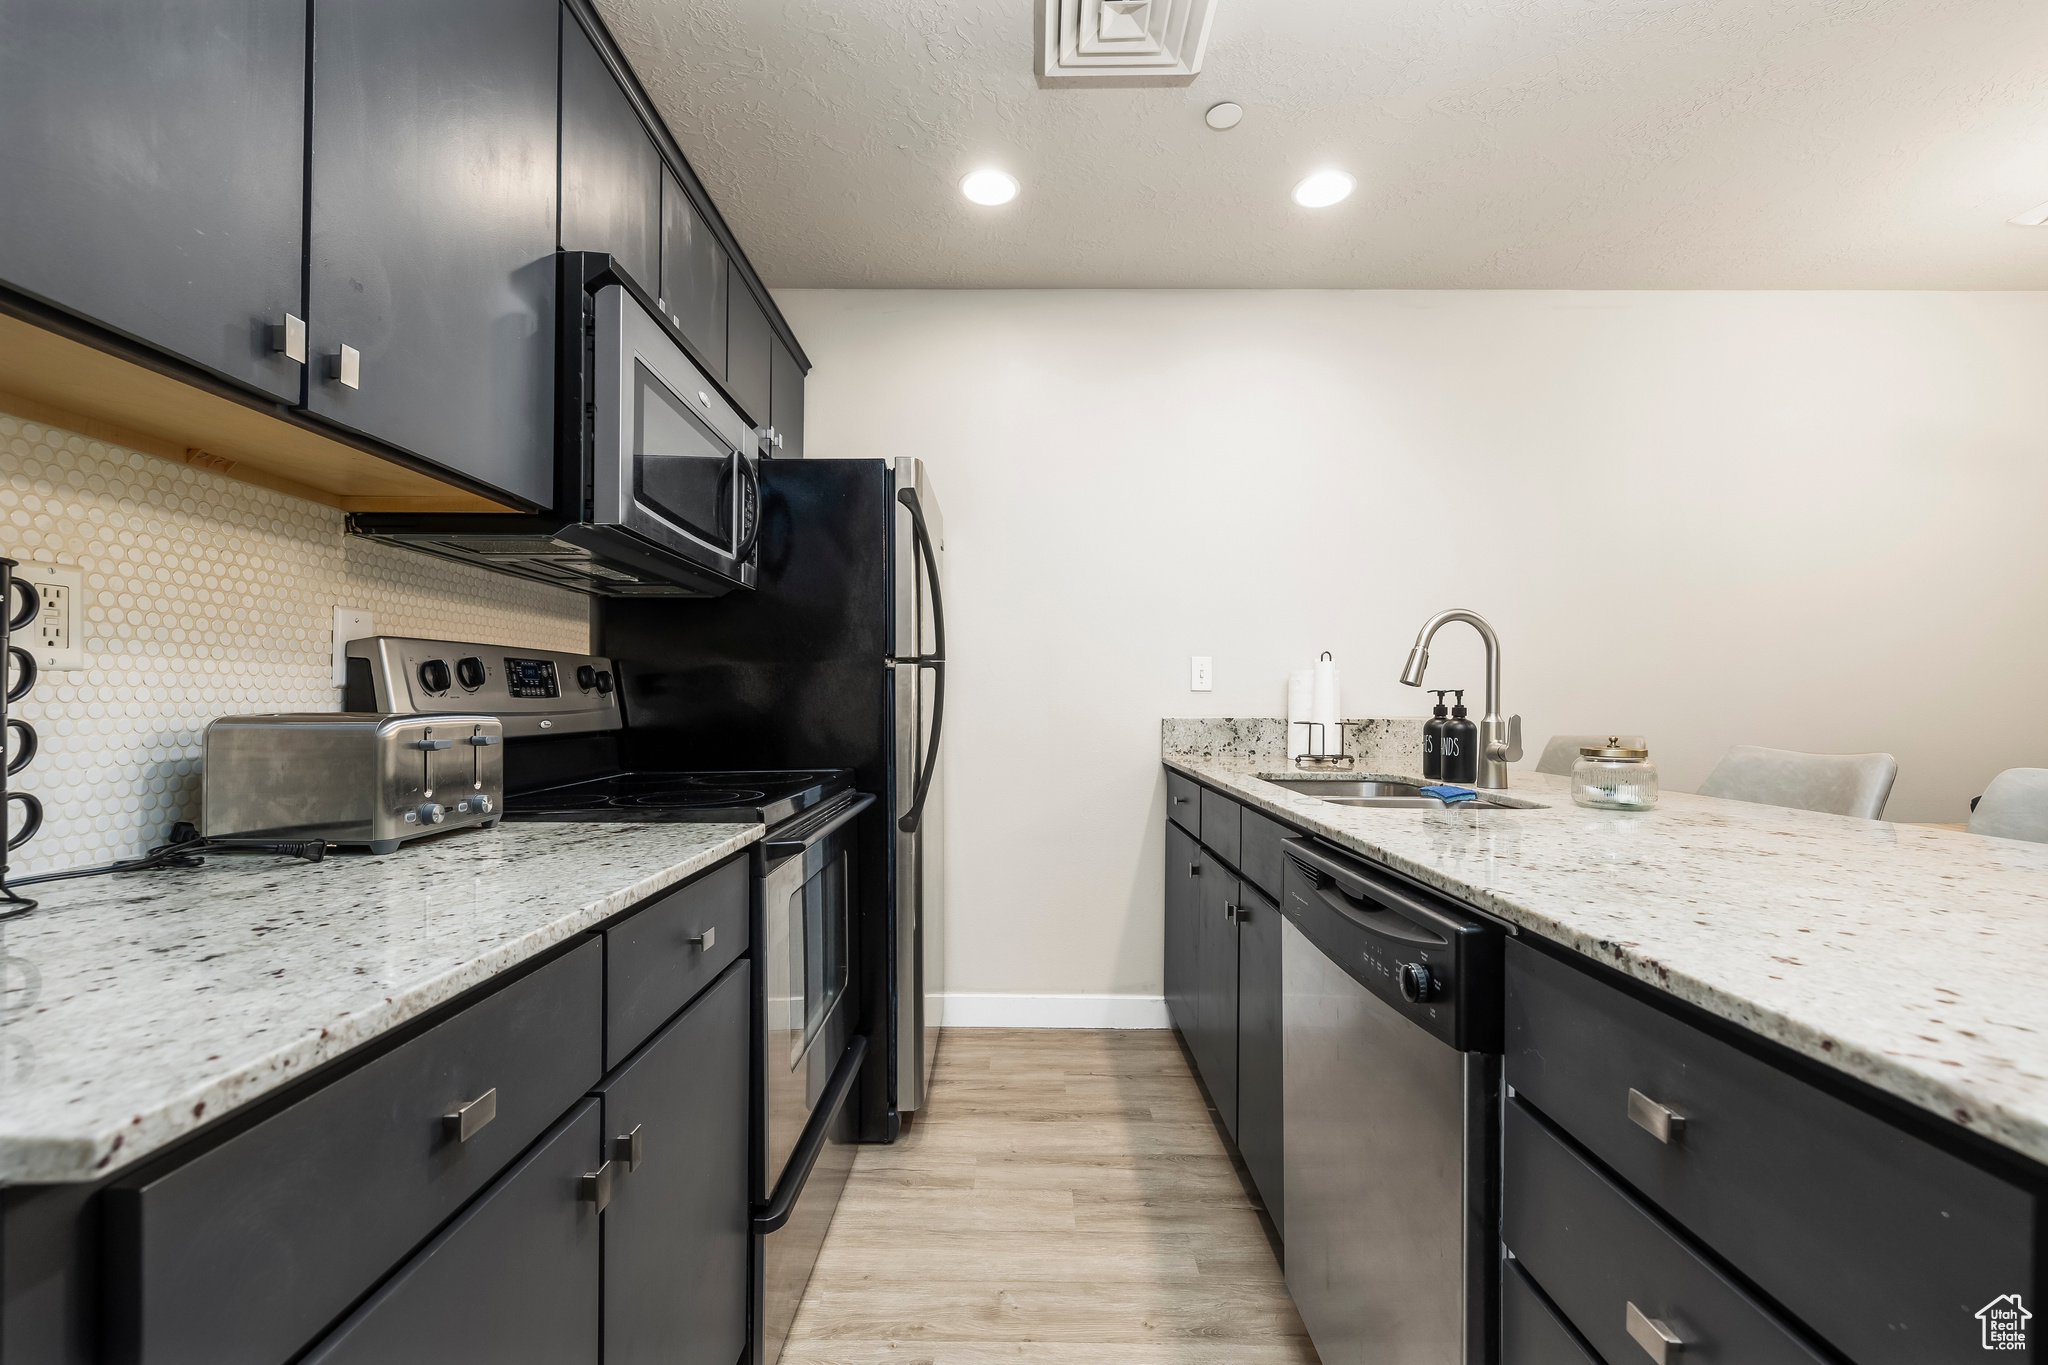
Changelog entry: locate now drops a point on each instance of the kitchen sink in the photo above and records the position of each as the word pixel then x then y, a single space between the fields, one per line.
pixel 1377 795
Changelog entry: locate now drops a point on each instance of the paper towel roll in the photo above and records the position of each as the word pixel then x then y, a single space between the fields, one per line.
pixel 1301 688
pixel 1325 709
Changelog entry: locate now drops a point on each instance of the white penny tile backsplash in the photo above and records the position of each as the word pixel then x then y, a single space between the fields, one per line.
pixel 204 597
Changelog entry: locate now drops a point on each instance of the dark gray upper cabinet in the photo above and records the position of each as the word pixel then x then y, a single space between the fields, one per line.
pixel 749 376
pixel 677 1232
pixel 611 174
pixel 433 231
pixel 693 276
pixel 154 171
pixel 786 401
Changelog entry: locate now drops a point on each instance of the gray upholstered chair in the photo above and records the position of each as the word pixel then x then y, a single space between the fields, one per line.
pixel 1839 784
pixel 1563 751
pixel 2014 806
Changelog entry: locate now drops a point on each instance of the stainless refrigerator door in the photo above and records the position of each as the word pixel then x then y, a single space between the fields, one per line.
pixel 1374 1153
pixel 920 856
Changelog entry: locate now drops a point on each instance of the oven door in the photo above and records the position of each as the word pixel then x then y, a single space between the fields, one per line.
pixel 673 462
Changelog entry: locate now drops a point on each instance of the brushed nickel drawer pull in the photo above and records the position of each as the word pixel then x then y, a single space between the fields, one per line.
pixel 596 1187
pixel 706 940
pixel 469 1119
pixel 1654 1336
pixel 1230 912
pixel 626 1149
pixel 1660 1121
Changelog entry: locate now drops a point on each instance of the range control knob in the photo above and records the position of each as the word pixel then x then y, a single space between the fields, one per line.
pixel 586 677
pixel 604 682
pixel 434 675
pixel 470 672
pixel 1415 983
pixel 473 805
pixel 431 814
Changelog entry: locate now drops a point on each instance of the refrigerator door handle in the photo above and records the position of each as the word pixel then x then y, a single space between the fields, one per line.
pixel 935 661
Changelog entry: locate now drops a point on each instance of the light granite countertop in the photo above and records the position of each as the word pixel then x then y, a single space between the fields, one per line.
pixel 135 1008
pixel 1907 956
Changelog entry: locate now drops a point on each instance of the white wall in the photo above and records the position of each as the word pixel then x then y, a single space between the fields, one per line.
pixel 1809 520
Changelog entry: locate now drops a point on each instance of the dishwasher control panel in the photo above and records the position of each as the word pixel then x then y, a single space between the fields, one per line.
pixel 1418 952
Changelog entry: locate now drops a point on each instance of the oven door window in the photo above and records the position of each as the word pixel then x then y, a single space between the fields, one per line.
pixel 682 471
pixel 818 943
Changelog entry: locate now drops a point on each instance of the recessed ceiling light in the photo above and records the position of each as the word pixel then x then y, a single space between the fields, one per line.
pixel 1224 115
pixel 2034 217
pixel 1323 189
pixel 989 187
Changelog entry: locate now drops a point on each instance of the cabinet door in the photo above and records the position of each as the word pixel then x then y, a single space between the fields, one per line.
pixel 693 276
pixel 786 400
pixel 1215 1040
pixel 513 1280
pixel 1258 1044
pixel 748 367
pixel 433 231
pixel 154 168
pixel 611 174
pixel 1183 911
pixel 676 1234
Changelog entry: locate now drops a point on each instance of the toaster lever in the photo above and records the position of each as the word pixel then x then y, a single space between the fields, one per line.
pixel 483 741
pixel 431 744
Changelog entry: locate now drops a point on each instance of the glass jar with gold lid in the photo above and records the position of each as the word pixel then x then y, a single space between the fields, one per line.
pixel 1614 777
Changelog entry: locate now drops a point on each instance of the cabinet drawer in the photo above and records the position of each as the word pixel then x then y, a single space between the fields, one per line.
pixel 245 1252
pixel 1219 825
pixel 1259 838
pixel 1184 802
pixel 656 960
pixel 513 1280
pixel 1597 1253
pixel 1884 1245
pixel 1531 1333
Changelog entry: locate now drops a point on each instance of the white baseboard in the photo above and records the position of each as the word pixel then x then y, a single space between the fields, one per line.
pixel 1003 1010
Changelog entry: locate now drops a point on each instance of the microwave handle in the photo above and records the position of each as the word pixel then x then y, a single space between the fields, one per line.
pixel 741 471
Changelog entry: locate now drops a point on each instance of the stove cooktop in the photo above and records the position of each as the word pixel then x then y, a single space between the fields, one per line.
pixel 703 798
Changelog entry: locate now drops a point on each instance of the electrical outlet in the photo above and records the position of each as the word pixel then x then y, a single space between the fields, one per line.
pixel 57 636
pixel 1203 679
pixel 350 623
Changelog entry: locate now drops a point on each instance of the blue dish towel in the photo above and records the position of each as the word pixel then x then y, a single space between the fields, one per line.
pixel 1451 796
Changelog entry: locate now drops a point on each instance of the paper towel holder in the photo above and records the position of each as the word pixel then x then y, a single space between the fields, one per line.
pixel 1324 763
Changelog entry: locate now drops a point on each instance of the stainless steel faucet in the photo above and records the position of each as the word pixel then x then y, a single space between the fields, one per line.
pixel 1500 740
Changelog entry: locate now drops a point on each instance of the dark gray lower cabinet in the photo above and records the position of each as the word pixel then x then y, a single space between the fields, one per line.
pixel 513 1280
pixel 1215 1036
pixel 611 174
pixel 1531 1333
pixel 432 232
pixel 1183 906
pixel 676 1233
pixel 1259 1101
pixel 154 165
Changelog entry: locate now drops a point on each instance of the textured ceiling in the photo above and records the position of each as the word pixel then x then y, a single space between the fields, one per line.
pixel 1498 144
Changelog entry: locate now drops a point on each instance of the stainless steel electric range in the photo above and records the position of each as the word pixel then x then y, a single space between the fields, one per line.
pixel 567 758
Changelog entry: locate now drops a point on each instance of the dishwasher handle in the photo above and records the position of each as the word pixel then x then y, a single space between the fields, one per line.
pixel 1389 910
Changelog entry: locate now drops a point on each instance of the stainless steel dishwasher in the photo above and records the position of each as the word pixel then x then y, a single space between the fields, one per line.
pixel 1390 1020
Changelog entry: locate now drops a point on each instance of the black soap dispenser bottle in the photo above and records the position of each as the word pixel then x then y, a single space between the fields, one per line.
pixel 1458 745
pixel 1432 734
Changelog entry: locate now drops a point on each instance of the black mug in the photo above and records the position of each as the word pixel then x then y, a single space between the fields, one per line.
pixel 25 665
pixel 32 819
pixel 31 603
pixel 27 752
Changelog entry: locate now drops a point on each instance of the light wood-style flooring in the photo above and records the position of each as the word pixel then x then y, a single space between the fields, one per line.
pixel 1064 1197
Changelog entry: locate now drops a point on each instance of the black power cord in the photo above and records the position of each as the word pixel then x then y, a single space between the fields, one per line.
pixel 184 850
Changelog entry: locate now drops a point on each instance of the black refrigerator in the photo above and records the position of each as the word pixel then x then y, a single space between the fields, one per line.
pixel 836 659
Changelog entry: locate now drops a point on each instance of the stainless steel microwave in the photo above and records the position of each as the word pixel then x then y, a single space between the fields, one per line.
pixel 658 475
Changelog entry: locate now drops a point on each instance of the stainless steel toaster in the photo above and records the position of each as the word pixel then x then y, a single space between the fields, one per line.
pixel 351 777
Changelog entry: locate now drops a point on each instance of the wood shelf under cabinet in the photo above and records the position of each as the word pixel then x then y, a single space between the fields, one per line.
pixel 49 377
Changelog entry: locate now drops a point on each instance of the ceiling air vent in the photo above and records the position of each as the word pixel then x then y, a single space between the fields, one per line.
pixel 1154 42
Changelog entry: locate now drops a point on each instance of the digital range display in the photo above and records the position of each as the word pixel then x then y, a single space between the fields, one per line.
pixel 532 678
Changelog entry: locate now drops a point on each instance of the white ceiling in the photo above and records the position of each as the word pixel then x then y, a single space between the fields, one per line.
pixel 1744 144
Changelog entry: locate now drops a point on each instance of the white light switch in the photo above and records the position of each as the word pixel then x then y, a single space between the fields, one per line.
pixel 350 623
pixel 1203 680
pixel 56 636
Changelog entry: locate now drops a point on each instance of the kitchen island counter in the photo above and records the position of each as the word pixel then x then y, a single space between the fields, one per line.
pixel 1905 956
pixel 138 1007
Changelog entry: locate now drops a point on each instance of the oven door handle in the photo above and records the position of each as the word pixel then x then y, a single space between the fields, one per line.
pixel 801 838
pixel 770 1217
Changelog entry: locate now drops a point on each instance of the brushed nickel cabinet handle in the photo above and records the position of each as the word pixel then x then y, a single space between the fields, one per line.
pixel 288 338
pixel 626 1149
pixel 1654 1336
pixel 706 940
pixel 468 1120
pixel 1230 912
pixel 1180 800
pixel 596 1187
pixel 1660 1121
pixel 1244 916
pixel 345 367
pixel 1194 869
